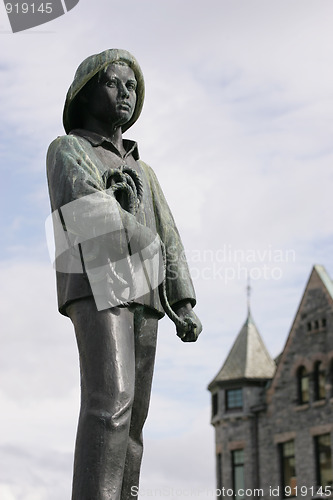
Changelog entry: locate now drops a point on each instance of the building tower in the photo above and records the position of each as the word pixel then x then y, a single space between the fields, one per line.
pixel 238 395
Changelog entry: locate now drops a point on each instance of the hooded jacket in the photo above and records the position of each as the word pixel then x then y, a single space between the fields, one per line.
pixel 86 213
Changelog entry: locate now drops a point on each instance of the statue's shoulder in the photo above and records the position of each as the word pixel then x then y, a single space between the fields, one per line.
pixel 65 152
pixel 67 142
pixel 149 172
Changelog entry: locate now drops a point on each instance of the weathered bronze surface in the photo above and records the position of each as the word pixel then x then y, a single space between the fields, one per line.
pixel 120 266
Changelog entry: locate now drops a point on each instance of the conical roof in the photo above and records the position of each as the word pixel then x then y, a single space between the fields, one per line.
pixel 248 358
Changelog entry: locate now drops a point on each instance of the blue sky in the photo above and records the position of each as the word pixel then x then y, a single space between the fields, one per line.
pixel 238 109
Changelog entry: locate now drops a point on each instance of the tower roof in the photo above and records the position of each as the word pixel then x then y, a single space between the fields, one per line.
pixel 248 358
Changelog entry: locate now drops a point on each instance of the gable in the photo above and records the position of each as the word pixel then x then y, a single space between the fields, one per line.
pixel 308 338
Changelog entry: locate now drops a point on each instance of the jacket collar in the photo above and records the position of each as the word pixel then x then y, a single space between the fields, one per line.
pixel 95 140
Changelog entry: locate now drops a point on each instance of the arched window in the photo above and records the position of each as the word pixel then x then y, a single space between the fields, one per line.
pixel 303 385
pixel 319 381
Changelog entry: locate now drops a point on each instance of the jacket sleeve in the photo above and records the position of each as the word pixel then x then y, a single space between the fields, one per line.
pixel 178 279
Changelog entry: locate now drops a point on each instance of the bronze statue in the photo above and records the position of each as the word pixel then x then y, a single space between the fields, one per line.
pixel 120 266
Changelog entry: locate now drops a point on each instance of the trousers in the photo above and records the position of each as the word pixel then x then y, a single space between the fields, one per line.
pixel 117 353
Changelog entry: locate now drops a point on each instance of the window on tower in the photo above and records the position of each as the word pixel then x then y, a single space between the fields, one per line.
pixel 219 474
pixel 234 399
pixel 215 404
pixel 238 474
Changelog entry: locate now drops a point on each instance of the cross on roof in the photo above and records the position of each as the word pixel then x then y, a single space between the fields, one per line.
pixel 248 292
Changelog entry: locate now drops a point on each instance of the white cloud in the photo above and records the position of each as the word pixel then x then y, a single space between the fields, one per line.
pixel 32 474
pixel 6 492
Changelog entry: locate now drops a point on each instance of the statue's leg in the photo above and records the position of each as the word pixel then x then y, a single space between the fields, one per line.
pixel 107 365
pixel 145 331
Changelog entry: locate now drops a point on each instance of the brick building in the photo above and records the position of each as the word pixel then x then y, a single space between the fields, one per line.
pixel 273 420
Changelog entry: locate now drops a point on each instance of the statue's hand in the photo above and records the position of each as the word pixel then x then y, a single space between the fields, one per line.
pixel 193 327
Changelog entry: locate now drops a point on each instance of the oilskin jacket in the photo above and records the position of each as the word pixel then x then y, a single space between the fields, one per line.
pixel 84 208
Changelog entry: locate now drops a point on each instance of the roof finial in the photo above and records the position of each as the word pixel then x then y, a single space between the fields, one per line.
pixel 248 292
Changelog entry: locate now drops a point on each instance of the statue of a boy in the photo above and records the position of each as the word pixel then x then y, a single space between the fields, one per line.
pixel 120 264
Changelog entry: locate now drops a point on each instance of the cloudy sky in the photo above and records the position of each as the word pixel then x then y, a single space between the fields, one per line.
pixel 237 124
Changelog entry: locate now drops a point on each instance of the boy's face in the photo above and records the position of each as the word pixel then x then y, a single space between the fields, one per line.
pixel 111 100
